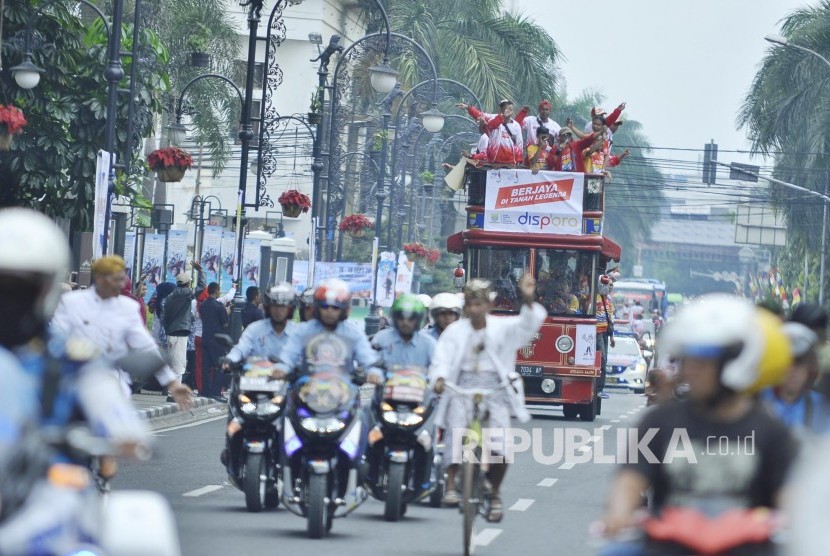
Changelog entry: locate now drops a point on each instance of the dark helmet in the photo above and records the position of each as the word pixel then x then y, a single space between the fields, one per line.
pixel 810 315
pixel 408 306
pixel 333 292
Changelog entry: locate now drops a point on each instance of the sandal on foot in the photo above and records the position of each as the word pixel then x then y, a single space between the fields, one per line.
pixel 495 512
pixel 451 498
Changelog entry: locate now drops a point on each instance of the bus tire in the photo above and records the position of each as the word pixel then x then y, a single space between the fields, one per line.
pixel 588 411
pixel 570 411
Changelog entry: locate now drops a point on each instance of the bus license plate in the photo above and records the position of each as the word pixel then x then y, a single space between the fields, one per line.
pixel 529 370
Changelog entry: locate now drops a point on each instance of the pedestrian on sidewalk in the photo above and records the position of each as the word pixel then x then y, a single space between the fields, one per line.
pixel 178 320
pixel 214 321
pixel 251 312
pixel 195 309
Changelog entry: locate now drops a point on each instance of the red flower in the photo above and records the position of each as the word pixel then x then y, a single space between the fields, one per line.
pixel 169 157
pixel 11 117
pixel 355 223
pixel 294 197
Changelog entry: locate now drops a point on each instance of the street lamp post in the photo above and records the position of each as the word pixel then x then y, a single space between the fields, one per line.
pixel 785 42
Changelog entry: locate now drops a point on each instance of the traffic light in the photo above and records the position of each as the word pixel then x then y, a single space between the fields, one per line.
pixel 710 158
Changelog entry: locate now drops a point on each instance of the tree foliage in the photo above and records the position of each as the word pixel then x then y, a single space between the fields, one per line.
pixel 51 166
pixel 786 114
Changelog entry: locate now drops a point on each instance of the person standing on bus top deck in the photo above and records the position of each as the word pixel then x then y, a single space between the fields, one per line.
pixel 538 155
pixel 571 150
pixel 506 145
pixel 605 326
pixel 532 124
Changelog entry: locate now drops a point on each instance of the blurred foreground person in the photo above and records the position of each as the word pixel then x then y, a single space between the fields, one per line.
pixel 726 350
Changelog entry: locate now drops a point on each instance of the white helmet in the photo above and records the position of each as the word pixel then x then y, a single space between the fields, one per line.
pixel 802 339
pixel 34 259
pixel 425 299
pixel 281 293
pixel 446 302
pixel 722 326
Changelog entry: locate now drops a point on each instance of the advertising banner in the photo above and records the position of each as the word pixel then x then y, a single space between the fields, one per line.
pixel 102 174
pixel 129 255
pixel 228 257
pixel 586 343
pixel 543 203
pixel 385 287
pixel 211 249
pixel 406 269
pixel 151 262
pixel 250 263
pixel 176 253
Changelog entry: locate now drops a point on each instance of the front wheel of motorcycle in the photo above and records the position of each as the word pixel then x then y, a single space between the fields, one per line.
pixel 394 491
pixel 317 506
pixel 254 482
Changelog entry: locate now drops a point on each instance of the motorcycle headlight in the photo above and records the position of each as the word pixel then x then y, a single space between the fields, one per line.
pixel 407 419
pixel 316 425
pixel 267 408
pixel 248 408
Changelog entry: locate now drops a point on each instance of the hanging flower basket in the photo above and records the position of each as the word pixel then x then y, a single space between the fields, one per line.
pixel 293 203
pixel 170 163
pixel 12 122
pixel 419 251
pixel 356 225
pixel 315 118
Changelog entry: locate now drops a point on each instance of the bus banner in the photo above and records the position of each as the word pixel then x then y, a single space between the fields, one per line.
pixel 543 203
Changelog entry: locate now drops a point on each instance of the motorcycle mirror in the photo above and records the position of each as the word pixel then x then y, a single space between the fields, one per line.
pixel 224 340
pixel 141 364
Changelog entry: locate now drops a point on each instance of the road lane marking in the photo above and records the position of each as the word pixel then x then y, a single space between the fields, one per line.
pixel 188 425
pixel 547 482
pixel 593 439
pixel 605 427
pixel 567 465
pixel 584 449
pixel 623 416
pixel 522 504
pixel 615 420
pixel 486 536
pixel 200 491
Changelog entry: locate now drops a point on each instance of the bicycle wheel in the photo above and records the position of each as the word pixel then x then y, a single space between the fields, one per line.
pixel 471 493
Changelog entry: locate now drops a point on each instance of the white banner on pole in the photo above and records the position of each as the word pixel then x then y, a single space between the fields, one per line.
pixel 151 262
pixel 250 263
pixel 312 252
pixel 385 281
pixel 211 248
pixel 228 260
pixel 176 254
pixel 406 269
pixel 102 175
pixel 129 254
pixel 544 203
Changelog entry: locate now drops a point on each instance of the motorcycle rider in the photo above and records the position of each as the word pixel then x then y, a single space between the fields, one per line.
pixel 404 343
pixel 726 349
pixel 264 338
pixel 793 401
pixel 444 310
pixel 306 300
pixel 480 352
pixel 65 380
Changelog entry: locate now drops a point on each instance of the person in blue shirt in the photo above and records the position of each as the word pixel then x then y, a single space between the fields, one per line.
pixel 404 344
pixel 445 309
pixel 793 401
pixel 332 300
pixel 267 337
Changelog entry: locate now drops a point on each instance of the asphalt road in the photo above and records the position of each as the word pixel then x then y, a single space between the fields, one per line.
pixel 548 505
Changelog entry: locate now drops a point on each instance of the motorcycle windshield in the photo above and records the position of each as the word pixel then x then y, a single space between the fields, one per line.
pixel 325 391
pixel 256 375
pixel 408 385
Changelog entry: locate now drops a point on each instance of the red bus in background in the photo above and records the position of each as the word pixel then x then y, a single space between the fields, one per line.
pixel 560 366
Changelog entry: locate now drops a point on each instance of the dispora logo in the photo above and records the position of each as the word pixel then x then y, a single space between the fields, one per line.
pixel 543 221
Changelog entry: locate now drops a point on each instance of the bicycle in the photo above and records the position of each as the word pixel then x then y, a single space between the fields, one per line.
pixel 472 471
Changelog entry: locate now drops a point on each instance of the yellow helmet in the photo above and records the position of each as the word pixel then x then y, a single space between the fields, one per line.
pixel 777 356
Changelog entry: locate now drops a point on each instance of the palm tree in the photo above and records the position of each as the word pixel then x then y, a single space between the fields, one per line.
pixel 787 114
pixel 478 43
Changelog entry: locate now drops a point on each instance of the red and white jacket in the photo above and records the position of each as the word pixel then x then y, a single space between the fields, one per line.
pixel 506 145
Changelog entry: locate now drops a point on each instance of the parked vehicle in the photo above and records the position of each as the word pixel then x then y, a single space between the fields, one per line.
pixel 400 445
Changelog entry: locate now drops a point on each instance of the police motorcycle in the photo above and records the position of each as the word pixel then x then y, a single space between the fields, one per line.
pixel 401 462
pixel 256 402
pixel 50 505
pixel 322 437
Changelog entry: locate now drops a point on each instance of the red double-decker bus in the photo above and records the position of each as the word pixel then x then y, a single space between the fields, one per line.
pixel 551 224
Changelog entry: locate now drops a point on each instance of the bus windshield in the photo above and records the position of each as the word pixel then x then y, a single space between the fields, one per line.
pixel 503 267
pixel 565 282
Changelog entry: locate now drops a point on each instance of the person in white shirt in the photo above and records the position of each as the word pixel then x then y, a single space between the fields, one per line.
pixel 111 322
pixel 533 123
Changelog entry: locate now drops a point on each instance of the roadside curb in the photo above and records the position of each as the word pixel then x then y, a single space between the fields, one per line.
pixel 169 414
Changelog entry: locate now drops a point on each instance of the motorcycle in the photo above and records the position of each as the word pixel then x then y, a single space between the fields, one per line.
pixel 256 402
pixel 400 444
pixel 322 439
